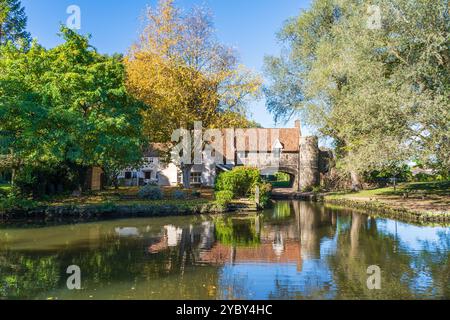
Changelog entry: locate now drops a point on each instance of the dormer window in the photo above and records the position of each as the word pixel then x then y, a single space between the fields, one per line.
pixel 277 149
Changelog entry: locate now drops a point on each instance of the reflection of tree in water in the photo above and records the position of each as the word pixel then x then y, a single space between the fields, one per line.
pixel 171 261
pixel 26 276
pixel 314 224
pixel 282 210
pixel 362 246
pixel 237 231
pixel 171 272
pixel 434 259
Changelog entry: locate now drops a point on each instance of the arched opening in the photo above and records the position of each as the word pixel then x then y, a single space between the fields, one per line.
pixel 280 178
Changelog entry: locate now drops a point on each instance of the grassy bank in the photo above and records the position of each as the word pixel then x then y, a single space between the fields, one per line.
pixel 122 202
pixel 427 201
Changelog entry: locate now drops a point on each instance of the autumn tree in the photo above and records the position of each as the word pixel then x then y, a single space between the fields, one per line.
pixel 378 90
pixel 181 71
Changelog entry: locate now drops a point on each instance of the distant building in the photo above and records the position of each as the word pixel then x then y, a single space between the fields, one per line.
pixel 298 156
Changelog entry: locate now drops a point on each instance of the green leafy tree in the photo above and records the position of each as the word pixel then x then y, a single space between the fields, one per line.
pixel 379 93
pixel 67 105
pixel 13 22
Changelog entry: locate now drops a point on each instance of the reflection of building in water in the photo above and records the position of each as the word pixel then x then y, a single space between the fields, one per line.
pixel 207 238
pixel 127 232
pixel 199 236
pixel 245 240
pixel 278 244
pixel 314 224
pixel 263 253
pixel 173 235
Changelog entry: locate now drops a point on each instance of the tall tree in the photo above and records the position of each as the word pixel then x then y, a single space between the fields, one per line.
pixel 378 92
pixel 184 74
pixel 13 23
pixel 67 105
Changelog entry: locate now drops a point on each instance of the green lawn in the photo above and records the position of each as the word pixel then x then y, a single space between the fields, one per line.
pixel 414 188
pixel 5 187
pixel 128 196
pixel 418 196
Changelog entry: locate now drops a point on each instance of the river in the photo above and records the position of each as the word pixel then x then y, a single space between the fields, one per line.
pixel 296 250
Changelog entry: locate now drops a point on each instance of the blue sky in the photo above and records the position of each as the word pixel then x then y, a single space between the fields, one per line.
pixel 248 25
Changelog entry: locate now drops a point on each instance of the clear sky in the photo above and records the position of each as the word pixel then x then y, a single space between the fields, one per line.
pixel 248 25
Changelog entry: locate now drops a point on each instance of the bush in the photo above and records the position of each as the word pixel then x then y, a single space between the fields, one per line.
pixel 150 192
pixel 196 194
pixel 13 202
pixel 241 181
pixel 179 195
pixel 281 176
pixel 317 189
pixel 3 193
pixel 223 198
pixel 265 190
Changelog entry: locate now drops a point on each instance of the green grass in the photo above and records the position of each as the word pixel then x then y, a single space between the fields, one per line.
pixel 6 187
pixel 422 197
pixel 421 188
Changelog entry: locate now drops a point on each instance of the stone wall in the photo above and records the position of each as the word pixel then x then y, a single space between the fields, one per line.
pixel 309 163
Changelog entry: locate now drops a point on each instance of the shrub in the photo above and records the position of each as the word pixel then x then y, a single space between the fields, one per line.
pixel 317 189
pixel 265 190
pixel 196 194
pixel 241 181
pixel 3 193
pixel 223 198
pixel 13 202
pixel 150 192
pixel 281 176
pixel 179 195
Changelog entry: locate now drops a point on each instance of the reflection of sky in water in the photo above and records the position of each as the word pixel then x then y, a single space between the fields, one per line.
pixel 328 246
pixel 277 281
pixel 315 279
pixel 413 237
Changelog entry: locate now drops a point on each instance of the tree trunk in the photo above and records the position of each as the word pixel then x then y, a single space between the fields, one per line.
pixel 356 181
pixel 13 177
pixel 186 170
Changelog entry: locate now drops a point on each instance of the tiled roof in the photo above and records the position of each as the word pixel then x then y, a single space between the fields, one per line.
pixel 267 138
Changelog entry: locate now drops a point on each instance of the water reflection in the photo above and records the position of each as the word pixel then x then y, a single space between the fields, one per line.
pixel 296 250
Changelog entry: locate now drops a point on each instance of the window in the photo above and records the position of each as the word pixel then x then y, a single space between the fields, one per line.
pixel 277 149
pixel 277 153
pixel 196 178
pixel 148 175
pixel 128 175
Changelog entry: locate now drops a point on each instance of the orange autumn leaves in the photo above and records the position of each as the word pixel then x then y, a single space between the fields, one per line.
pixel 183 74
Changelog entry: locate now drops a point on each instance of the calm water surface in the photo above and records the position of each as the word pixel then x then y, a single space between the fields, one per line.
pixel 296 250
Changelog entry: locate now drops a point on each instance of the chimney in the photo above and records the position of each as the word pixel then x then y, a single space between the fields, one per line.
pixel 298 125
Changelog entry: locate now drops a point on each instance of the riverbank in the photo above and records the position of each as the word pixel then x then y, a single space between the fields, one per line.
pixel 418 202
pixel 123 203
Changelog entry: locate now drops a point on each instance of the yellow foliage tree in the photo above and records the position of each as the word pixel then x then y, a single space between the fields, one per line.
pixel 184 75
